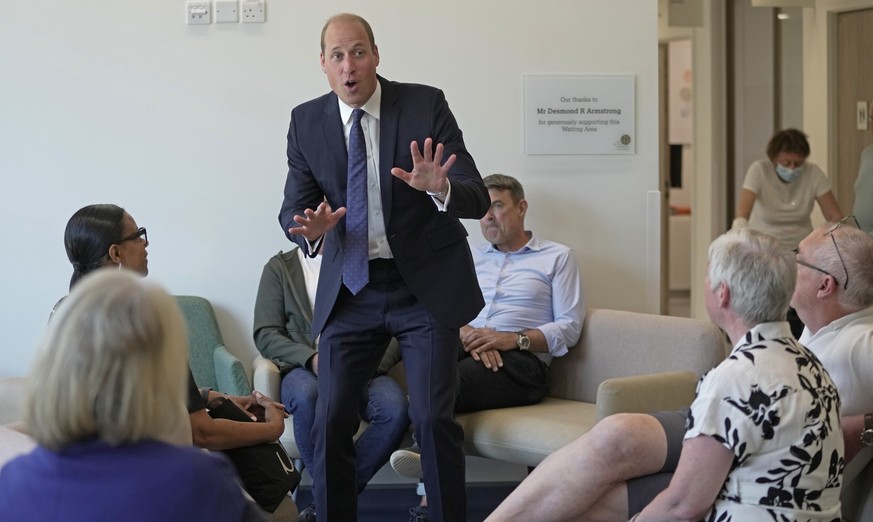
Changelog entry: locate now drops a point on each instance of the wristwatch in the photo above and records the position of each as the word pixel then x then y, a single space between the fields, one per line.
pixel 867 434
pixel 523 341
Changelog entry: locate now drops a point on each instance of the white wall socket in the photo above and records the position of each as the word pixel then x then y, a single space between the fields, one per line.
pixel 197 13
pixel 253 11
pixel 226 11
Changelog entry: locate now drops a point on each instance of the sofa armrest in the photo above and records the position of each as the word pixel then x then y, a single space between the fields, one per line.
pixel 13 443
pixel 857 486
pixel 230 375
pixel 12 391
pixel 266 378
pixel 646 393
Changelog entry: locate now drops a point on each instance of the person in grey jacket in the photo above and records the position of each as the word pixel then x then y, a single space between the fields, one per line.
pixel 282 326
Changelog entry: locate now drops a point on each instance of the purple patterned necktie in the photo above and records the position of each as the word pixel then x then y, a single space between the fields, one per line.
pixel 355 267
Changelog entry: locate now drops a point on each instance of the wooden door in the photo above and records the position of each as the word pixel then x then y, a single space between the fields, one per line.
pixel 854 83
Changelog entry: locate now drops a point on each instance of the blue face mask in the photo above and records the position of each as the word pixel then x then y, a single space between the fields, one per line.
pixel 788 175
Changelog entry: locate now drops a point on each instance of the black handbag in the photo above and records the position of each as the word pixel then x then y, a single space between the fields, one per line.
pixel 266 471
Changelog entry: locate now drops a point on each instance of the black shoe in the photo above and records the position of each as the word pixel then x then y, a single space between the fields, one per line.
pixel 418 514
pixel 307 515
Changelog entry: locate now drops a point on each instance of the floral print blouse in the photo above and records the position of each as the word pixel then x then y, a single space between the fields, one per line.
pixel 775 407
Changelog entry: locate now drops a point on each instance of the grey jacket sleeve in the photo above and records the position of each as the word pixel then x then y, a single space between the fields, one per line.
pixel 282 322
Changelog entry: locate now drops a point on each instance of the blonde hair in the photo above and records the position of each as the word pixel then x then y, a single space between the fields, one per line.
pixel 111 365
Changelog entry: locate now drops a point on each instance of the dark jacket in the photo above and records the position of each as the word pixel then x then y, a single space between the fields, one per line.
pixel 430 247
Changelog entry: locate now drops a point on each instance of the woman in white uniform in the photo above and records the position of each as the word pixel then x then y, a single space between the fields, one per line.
pixel 779 193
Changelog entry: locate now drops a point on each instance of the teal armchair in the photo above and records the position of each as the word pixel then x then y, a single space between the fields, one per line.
pixel 212 365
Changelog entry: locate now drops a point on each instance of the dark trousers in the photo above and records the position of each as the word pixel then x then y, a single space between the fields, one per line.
pixel 351 347
pixel 523 380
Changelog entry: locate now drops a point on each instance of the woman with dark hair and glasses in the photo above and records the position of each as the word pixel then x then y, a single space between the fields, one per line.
pixel 104 235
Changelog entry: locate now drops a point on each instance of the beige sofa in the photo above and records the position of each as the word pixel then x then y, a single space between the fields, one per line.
pixel 665 356
pixel 624 362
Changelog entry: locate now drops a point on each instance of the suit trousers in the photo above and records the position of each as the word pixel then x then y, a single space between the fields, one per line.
pixel 351 346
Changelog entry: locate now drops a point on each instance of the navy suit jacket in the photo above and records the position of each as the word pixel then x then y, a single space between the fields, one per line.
pixel 429 246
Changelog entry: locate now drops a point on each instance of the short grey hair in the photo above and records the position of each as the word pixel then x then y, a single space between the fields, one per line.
pixel 856 249
pixel 759 272
pixel 112 365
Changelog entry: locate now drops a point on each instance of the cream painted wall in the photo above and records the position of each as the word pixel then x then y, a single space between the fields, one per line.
pixel 185 127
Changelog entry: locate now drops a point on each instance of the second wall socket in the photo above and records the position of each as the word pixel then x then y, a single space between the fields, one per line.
pixel 226 11
pixel 253 11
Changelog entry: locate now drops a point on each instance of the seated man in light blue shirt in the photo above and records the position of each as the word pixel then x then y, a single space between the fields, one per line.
pixel 533 307
pixel 533 311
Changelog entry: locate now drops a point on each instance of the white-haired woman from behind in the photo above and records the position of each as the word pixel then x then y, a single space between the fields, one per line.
pixel 105 402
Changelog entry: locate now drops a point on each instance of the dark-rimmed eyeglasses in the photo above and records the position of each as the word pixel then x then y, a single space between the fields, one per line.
pixel 810 265
pixel 830 232
pixel 140 234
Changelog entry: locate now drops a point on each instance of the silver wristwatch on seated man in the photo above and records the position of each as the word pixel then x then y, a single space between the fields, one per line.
pixel 867 433
pixel 523 341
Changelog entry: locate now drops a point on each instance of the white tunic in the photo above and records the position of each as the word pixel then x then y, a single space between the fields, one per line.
pixel 782 209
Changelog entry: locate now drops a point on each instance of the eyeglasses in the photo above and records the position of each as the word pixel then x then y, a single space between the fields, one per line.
pixel 830 232
pixel 140 234
pixel 808 265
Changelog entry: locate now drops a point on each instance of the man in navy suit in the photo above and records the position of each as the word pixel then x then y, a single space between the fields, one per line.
pixel 419 286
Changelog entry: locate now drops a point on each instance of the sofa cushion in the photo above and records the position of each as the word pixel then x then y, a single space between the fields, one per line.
pixel 526 434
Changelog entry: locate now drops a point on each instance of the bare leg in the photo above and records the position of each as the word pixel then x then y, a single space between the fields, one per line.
pixel 610 507
pixel 587 476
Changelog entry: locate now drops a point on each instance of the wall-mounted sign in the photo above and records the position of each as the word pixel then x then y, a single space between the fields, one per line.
pixel 579 114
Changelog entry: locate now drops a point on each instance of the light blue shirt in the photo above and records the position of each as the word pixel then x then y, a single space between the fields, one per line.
pixel 538 286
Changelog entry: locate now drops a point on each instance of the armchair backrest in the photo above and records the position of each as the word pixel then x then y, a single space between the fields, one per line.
pixel 212 365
